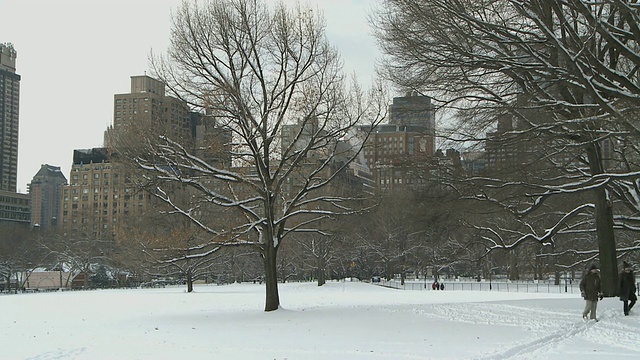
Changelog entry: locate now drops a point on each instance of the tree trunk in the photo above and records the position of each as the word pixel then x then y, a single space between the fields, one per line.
pixel 388 270
pixel 320 269
pixel 271 277
pixel 17 282
pixel 86 279
pixel 513 267
pixel 189 282
pixel 604 227
pixel 606 244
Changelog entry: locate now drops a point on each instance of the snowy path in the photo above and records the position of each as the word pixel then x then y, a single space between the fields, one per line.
pixel 556 333
pixel 338 321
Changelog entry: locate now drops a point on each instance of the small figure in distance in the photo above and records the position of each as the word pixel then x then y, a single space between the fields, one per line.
pixel 627 287
pixel 591 291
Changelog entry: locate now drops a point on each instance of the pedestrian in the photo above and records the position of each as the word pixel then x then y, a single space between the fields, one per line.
pixel 591 291
pixel 435 285
pixel 442 286
pixel 627 287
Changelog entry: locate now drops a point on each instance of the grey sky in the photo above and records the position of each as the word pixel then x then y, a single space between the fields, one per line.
pixel 74 55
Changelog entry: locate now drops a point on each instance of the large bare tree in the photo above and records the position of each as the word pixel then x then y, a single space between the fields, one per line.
pixel 19 255
pixel 268 76
pixel 566 74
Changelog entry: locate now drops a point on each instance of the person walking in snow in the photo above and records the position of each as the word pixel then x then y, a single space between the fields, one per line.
pixel 591 291
pixel 627 287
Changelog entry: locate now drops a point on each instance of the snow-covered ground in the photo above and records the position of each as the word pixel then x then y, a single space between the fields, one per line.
pixel 341 320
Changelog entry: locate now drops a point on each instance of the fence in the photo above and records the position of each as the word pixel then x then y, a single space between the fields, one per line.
pixel 530 287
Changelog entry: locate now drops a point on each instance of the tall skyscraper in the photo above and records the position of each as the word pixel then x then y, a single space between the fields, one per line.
pixel 147 105
pixel 9 99
pixel 413 110
pixel 400 154
pixel 45 190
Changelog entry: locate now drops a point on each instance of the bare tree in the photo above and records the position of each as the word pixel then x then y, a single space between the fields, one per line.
pixel 181 252
pixel 19 255
pixel 565 73
pixel 269 77
pixel 391 233
pixel 79 253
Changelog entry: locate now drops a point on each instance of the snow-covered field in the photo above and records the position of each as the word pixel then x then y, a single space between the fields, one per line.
pixel 341 320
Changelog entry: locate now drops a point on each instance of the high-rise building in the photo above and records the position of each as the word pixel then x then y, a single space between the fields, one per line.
pixel 400 153
pixel 148 105
pixel 295 138
pixel 45 190
pixel 100 196
pixel 413 110
pixel 9 101
pixel 15 208
pixel 212 142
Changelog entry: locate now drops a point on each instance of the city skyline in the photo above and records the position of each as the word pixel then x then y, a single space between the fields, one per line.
pixel 74 56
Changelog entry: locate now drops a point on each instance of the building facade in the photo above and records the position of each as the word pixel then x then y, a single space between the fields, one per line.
pixel 15 209
pixel 400 153
pixel 212 142
pixel 100 196
pixel 413 110
pixel 9 105
pixel 147 105
pixel 46 190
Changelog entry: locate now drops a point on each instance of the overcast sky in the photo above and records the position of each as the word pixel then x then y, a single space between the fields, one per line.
pixel 74 55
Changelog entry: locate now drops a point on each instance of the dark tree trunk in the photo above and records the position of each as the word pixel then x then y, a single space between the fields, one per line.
pixel 606 243
pixel 86 278
pixel 321 273
pixel 322 279
pixel 513 267
pixel 604 227
pixel 189 282
pixel 271 277
pixel 389 270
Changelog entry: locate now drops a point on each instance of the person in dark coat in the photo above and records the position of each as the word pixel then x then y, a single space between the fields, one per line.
pixel 627 287
pixel 591 291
